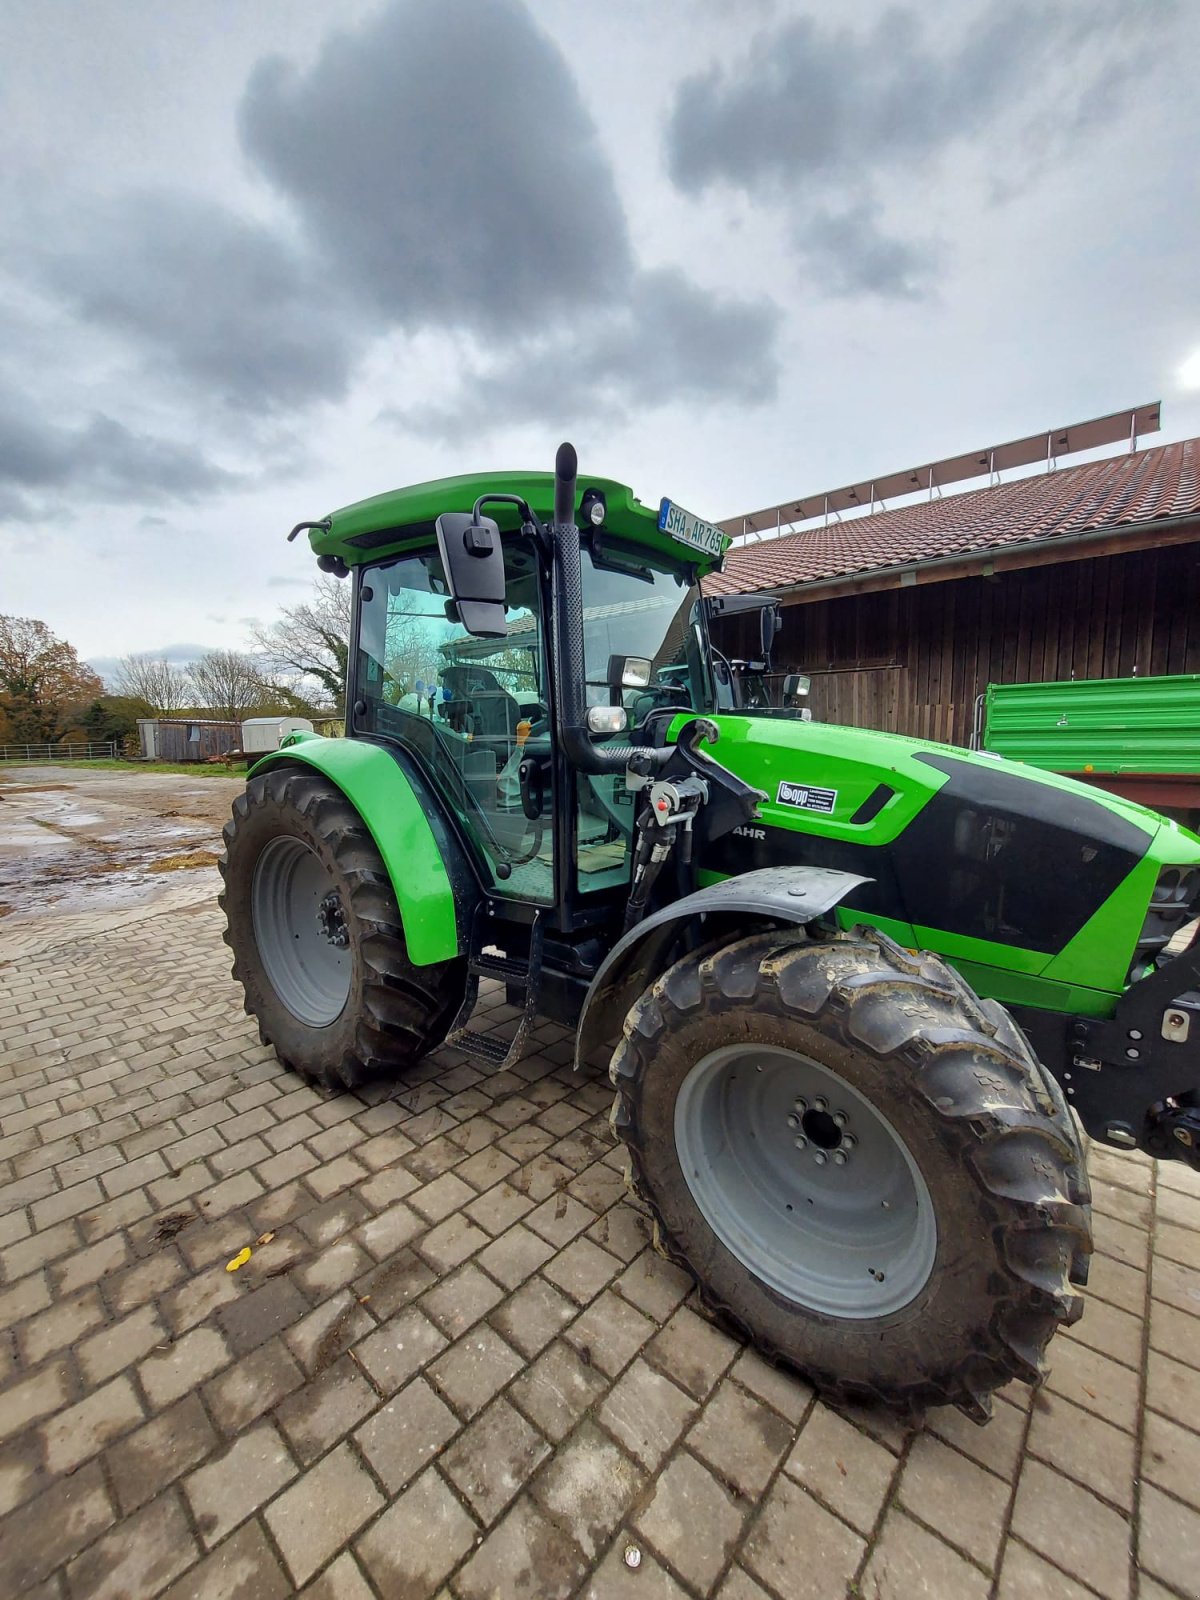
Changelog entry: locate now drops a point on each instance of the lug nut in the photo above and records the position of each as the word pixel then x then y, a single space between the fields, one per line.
pixel 820 1103
pixel 793 1122
pixel 840 1158
pixel 801 1103
pixel 819 1157
pixel 840 1118
pixel 801 1143
pixel 848 1141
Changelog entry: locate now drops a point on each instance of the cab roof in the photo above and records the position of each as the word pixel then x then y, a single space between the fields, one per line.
pixel 401 518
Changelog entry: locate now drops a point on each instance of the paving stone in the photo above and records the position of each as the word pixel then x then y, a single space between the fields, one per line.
pixel 1073 1529
pixel 332 1329
pixel 613 1580
pixel 514 1256
pixel 322 1511
pixel 1171 1387
pixel 418 1541
pixel 526 1558
pixel 653 1285
pixel 1094 1382
pixel 334 1267
pixel 740 1438
pixel 89 1265
pixel 533 1316
pixel 459 1301
pixel 588 1488
pixel 1170 1540
pixel 692 1352
pixel 610 1333
pixel 582 1270
pixel 475 1368
pixel 791 1527
pixel 114 1348
pixel 24 1299
pixel 997 1446
pixel 398 1350
pixel 848 1471
pixel 82 1430
pixel 184 1366
pixel 691 1521
pixel 556 1390
pixel 403 1435
pixel 254 1318
pixel 326 1409
pixel 140 1557
pixel 493 1459
pixel 231 1487
pixel 646 1412
pixel 910 1564
pixel 342 1581
pixel 1122 1286
pixel 243 1568
pixel 1026 1576
pixel 195 1301
pixel 395 1283
pixel 1083 1446
pixel 156 1455
pixel 252 1386
pixel 1171 1457
pixel 963 1501
pixel 49 1530
pixel 1177 1285
pixel 327 1222
pixel 451 1242
pixel 1113 1238
pixel 740 1585
pixel 63 1324
pixel 1109 1330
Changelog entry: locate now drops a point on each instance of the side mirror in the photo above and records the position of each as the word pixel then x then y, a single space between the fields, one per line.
pixel 629 672
pixel 770 623
pixel 473 561
pixel 795 685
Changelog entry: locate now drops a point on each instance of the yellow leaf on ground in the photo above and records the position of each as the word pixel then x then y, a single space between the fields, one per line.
pixel 239 1260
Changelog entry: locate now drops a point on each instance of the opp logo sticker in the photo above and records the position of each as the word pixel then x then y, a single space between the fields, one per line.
pixel 806 798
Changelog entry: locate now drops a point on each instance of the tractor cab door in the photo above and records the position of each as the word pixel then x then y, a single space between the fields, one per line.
pixel 470 709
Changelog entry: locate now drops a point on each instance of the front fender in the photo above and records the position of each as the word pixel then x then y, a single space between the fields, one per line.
pixel 740 904
pixel 383 794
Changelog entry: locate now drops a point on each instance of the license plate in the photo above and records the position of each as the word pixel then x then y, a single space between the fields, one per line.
pixel 687 528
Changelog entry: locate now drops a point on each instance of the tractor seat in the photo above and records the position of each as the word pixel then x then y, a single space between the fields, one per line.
pixel 492 713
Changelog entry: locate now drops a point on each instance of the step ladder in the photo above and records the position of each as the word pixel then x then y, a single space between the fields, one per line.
pixel 515 972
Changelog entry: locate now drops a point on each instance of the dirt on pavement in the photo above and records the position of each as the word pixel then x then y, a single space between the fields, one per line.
pixel 74 841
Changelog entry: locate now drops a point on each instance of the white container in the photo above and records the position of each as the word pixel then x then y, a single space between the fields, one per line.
pixel 260 734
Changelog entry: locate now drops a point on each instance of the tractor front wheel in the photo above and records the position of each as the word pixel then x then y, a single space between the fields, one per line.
pixel 317 940
pixel 861 1164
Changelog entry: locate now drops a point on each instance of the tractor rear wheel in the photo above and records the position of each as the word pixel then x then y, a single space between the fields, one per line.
pixel 318 945
pixel 860 1162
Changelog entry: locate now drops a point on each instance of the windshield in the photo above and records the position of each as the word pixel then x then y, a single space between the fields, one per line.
pixel 634 608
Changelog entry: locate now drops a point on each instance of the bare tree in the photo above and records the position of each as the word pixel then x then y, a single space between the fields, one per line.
pixel 159 682
pixel 41 681
pixel 229 684
pixel 311 641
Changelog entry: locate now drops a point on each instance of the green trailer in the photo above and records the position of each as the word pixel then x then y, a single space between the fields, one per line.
pixel 1134 737
pixel 850 987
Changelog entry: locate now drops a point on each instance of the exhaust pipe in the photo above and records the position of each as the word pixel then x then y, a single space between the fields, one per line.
pixel 566 587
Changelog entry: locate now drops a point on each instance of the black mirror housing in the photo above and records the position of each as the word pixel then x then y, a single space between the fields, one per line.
pixel 473 561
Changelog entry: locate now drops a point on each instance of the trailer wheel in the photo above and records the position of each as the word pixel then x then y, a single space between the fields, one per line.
pixel 318 945
pixel 860 1163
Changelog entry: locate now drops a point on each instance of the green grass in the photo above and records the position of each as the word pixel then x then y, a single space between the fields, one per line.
pixel 193 769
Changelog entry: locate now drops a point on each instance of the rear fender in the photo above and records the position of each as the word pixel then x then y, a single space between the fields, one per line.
pixel 736 906
pixel 401 815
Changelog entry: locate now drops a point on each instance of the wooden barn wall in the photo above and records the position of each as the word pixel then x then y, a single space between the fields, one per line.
pixel 216 739
pixel 913 660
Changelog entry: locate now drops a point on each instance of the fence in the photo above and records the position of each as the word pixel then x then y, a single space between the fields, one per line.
pixel 103 750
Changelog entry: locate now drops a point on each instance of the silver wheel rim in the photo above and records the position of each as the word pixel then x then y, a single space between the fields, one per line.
pixel 805 1182
pixel 299 929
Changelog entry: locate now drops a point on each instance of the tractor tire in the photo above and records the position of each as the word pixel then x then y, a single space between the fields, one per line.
pixel 317 941
pixel 861 1164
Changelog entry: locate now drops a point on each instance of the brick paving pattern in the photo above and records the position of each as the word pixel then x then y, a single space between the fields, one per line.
pixel 453 1367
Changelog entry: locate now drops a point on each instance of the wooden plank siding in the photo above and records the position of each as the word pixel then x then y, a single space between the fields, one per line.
pixel 912 660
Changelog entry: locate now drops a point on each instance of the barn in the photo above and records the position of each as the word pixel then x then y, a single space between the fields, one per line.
pixel 904 616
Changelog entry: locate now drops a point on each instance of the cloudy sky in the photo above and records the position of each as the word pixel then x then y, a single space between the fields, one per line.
pixel 256 262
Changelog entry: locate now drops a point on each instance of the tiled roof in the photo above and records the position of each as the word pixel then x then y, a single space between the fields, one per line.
pixel 1145 486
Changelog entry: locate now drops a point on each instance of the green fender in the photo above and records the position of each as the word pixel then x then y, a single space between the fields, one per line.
pixel 377 788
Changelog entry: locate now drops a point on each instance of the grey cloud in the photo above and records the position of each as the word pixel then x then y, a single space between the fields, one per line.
pixel 442 160
pixel 818 116
pixel 214 299
pixel 179 655
pixel 41 461
pixel 671 342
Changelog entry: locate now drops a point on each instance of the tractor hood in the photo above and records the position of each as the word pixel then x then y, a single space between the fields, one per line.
pixel 985 860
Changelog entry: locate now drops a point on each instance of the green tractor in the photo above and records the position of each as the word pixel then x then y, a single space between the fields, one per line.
pixel 851 986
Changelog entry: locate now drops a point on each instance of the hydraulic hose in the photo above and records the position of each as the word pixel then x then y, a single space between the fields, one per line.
pixel 566 582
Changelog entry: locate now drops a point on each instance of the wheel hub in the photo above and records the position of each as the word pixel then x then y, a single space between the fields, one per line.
pixel 300 931
pixel 805 1181
pixel 331 919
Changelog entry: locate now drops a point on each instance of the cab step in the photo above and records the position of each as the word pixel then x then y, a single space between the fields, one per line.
pixel 515 972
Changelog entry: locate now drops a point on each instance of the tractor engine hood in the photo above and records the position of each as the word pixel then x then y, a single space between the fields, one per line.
pixel 986 861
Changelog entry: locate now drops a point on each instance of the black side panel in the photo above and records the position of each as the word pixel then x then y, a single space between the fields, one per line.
pixel 992 856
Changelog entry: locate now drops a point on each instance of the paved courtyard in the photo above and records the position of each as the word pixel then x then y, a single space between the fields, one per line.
pixel 451 1365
